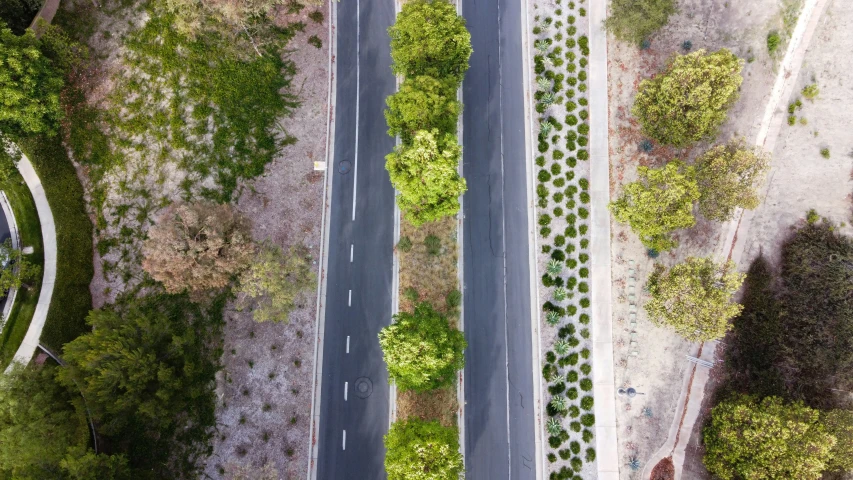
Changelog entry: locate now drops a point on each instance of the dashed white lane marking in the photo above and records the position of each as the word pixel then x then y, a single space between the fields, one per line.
pixel 357 95
pixel 346 388
pixel 347 343
pixel 345 439
pixel 351 248
pixel 349 301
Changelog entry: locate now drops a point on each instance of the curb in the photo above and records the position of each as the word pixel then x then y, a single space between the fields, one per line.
pixel 48 232
pixel 539 435
pixel 324 248
pixel 460 274
pixel 16 244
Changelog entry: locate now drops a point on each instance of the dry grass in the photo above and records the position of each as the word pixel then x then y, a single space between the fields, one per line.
pixel 437 404
pixel 433 277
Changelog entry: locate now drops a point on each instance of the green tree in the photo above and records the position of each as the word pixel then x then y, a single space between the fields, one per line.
pixel 422 103
pixel 274 280
pixel 430 38
pixel 839 424
pixel 694 297
pixel 82 464
pixel 635 20
pixel 19 14
pixel 728 177
pixel 766 440
pixel 660 202
pixel 29 86
pixel 147 372
pixel 690 100
pixel 421 350
pixel 16 268
pixel 426 175
pixel 418 450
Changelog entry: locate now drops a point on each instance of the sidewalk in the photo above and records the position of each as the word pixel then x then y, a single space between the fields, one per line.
pixel 604 390
pixel 48 232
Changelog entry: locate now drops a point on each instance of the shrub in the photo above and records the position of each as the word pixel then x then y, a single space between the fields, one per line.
pixel 584 303
pixel 411 294
pixel 583 229
pixel 586 368
pixel 572 393
pixel 773 41
pixel 585 353
pixel 545 232
pixel 583 213
pixel 453 299
pixel 404 244
pixel 577 464
pixel 583 154
pixel 583 129
pixel 811 91
pixel 559 241
pixel 586 385
pixel 544 176
pixel 554 442
pixel 583 287
pixel 573 359
pixel 433 245
pixel 551 457
pixel 559 182
pixel 558 155
pixel 824 152
pixel 587 436
pixel 584 197
pixel 565 454
pixel 556 169
pixel 587 403
pixel 558 255
pixel 575 426
pixel 584 243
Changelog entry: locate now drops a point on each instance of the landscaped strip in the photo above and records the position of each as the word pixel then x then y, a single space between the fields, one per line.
pixel 423 346
pixel 561 53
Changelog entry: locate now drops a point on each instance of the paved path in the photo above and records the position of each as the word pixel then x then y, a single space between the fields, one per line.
pixel 500 405
pixel 735 233
pixel 603 388
pixel 359 274
pixel 8 229
pixel 48 232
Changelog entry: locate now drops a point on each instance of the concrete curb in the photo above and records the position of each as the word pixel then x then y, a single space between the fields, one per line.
pixel 16 244
pixel 324 249
pixel 604 388
pixel 48 232
pixel 460 276
pixel 539 435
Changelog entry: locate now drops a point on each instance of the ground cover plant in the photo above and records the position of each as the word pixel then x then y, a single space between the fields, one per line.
pixel 635 21
pixel 560 62
pixel 430 47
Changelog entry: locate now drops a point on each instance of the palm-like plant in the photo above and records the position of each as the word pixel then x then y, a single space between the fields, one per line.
pixel 560 404
pixel 547 98
pixel 541 46
pixel 545 128
pixel 560 294
pixel 554 266
pixel 552 318
pixel 543 84
pixel 561 347
pixel 553 426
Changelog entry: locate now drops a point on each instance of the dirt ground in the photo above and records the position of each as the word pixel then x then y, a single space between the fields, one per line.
pixel 800 178
pixel 285 205
pixel 657 368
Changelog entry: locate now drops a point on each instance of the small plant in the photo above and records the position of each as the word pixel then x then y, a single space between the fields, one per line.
pixel 552 318
pixel 453 299
pixel 411 294
pixel 587 435
pixel 293 420
pixel 590 455
pixel 316 16
pixel 773 41
pixel 433 245
pixel 634 463
pixel 588 419
pixel 559 404
pixel 242 420
pixel 586 384
pixel 792 120
pixel 586 403
pixel 647 412
pixel 824 152
pixel 572 393
pixel 267 407
pixel 405 244
pixel 298 363
pixel 271 375
pixel 553 427
pixel 565 454
pixel 577 464
pixel 561 347
pixel 315 41
pixel 560 294
pixel 812 217
pixel 687 45
pixel 811 91
pixel 266 437
pixel 251 364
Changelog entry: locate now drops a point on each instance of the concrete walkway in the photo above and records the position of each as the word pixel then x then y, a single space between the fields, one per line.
pixel 603 389
pixel 16 244
pixel 48 232
pixel 735 233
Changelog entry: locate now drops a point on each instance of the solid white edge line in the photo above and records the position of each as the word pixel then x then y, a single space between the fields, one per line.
pixel 357 97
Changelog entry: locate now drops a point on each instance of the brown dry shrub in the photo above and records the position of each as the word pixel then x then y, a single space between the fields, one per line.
pixel 197 246
pixel 664 470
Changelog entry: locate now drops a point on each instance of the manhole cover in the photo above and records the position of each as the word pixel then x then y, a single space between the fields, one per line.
pixel 344 167
pixel 363 387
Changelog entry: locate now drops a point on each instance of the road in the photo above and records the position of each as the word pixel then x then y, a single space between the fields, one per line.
pixel 358 291
pixel 499 406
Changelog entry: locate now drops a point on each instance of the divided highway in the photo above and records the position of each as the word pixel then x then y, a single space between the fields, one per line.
pixel 499 402
pixel 354 390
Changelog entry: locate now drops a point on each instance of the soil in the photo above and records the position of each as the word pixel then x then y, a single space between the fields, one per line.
pixel 658 367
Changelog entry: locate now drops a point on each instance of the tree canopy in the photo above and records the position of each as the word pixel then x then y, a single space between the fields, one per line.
pixel 274 280
pixel 690 100
pixel 839 424
pixel 430 38
pixel 418 450
pixel 427 177
pixel 422 103
pixel 728 177
pixel 766 440
pixel 421 350
pixel 147 370
pixel 44 433
pixel 635 20
pixel 197 246
pixel 16 269
pixel 30 85
pixel 694 297
pixel 659 202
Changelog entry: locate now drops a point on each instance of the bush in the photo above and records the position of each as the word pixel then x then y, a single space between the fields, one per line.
pixel 544 219
pixel 433 245
pixel 540 161
pixel 404 244
pixel 773 41
pixel 545 232
pixel 587 403
pixel 411 294
pixel 824 152
pixel 587 436
pixel 559 241
pixel 586 385
pixel 565 454
pixel 559 182
pixel 558 155
pixel 554 441
pixel 587 419
pixel 572 393
pixel 811 91
pixel 577 464
pixel 585 368
pixel 584 197
pixel 583 154
pixel 558 255
pixel 583 213
pixel 556 169
pixel 575 426
pixel 585 353
pixel 544 176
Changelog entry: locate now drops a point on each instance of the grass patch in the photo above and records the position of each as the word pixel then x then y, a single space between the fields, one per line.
pixel 432 275
pixel 26 300
pixel 71 299
pixel 439 404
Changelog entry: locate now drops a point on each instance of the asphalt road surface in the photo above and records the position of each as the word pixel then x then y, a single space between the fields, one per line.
pixel 358 292
pixel 499 409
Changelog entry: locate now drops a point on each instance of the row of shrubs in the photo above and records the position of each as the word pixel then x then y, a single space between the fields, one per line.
pixel 563 199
